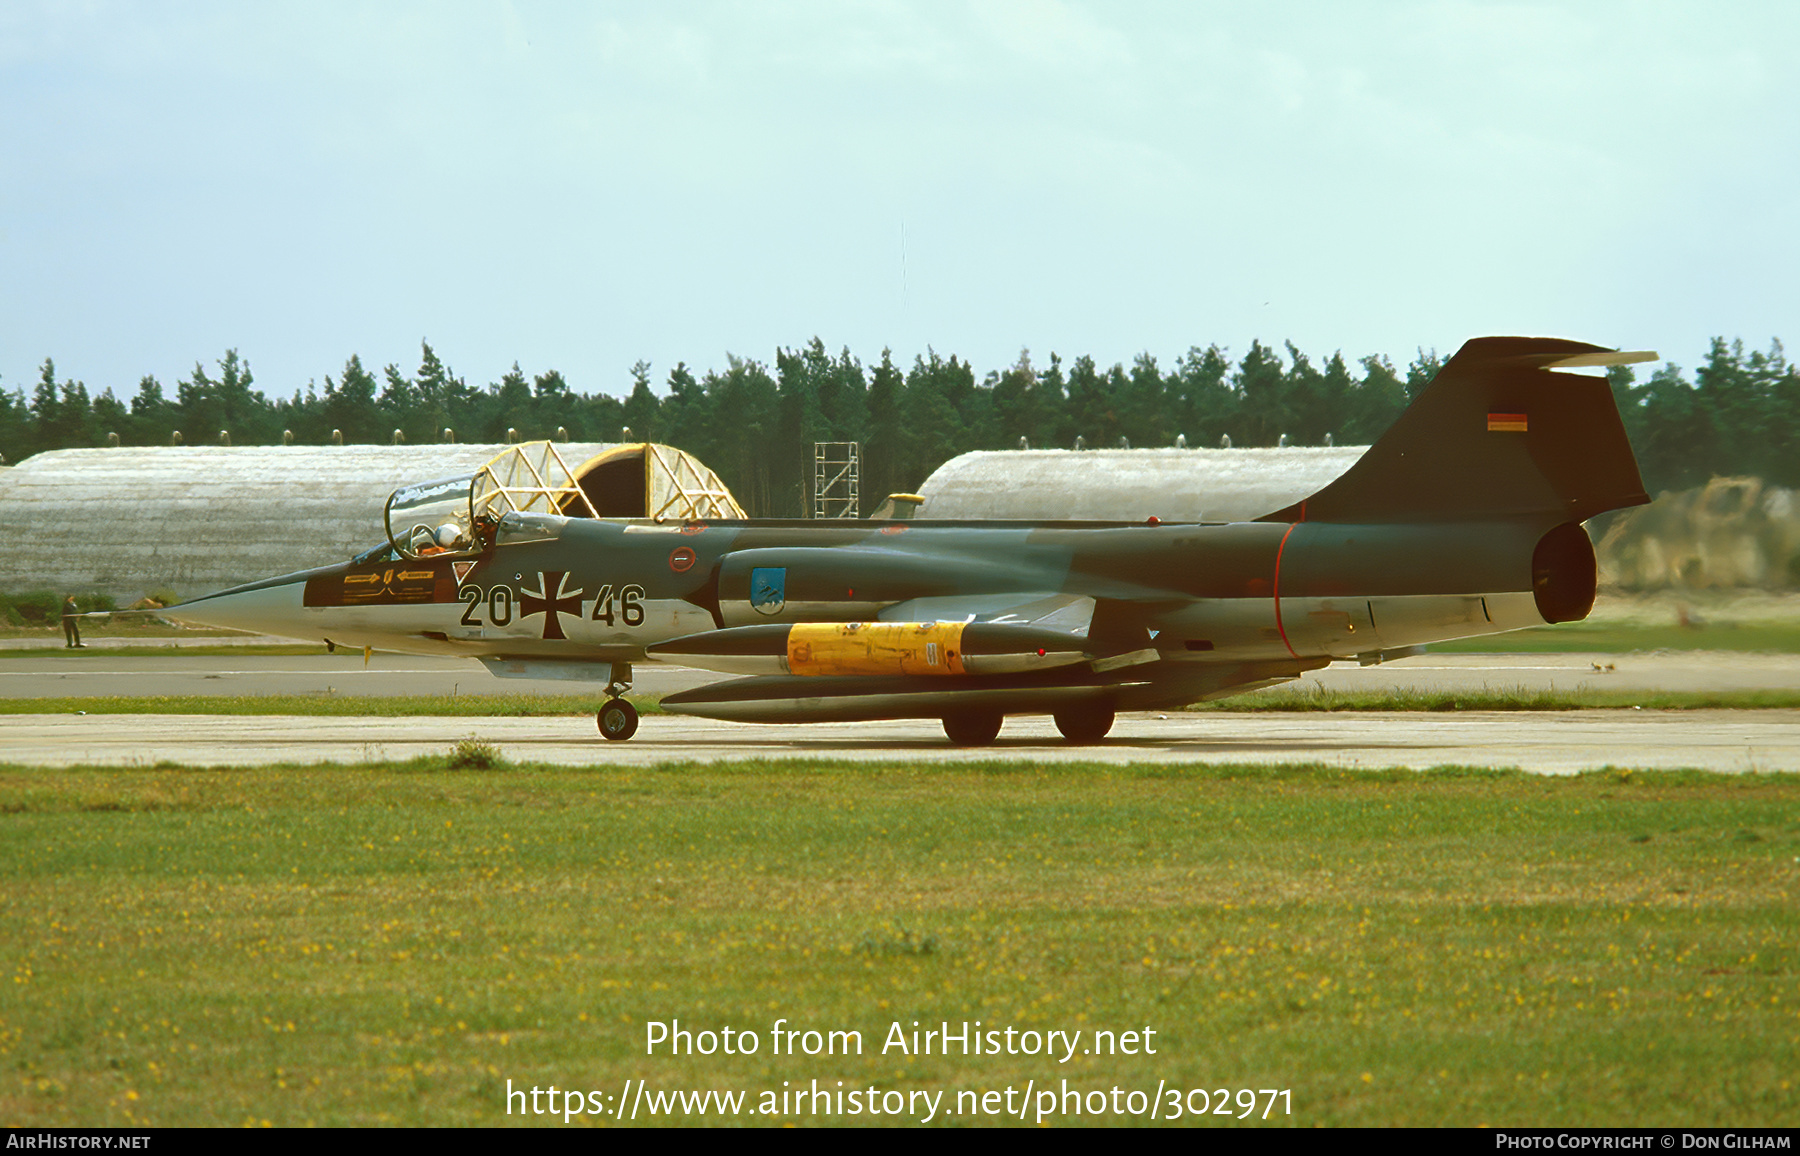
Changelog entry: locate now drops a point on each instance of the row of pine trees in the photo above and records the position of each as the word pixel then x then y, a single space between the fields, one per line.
pixel 755 423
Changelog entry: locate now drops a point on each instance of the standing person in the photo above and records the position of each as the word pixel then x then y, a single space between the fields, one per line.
pixel 71 625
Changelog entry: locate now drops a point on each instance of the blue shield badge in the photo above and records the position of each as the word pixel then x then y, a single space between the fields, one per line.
pixel 768 589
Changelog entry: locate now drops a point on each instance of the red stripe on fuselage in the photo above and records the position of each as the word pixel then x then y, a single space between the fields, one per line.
pixel 1279 629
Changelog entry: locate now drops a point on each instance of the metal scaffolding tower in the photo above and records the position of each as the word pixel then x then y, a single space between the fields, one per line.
pixel 837 469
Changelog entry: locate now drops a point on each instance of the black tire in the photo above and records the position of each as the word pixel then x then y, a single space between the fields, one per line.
pixel 1087 723
pixel 617 720
pixel 973 728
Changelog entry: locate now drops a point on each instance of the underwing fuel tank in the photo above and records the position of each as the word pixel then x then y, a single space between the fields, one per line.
pixel 876 648
pixel 851 699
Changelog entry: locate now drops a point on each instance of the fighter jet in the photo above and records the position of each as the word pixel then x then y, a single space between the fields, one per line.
pixel 1463 519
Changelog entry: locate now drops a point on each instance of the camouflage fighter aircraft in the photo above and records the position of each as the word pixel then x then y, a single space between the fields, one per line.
pixel 1463 519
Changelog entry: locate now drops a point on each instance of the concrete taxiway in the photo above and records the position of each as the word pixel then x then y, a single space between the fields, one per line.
pixel 1559 742
pixel 97 673
pixel 1544 742
pixel 344 674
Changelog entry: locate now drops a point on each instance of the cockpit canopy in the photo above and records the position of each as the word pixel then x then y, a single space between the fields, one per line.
pixel 514 495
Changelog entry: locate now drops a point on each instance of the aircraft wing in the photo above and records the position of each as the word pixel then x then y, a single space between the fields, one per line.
pixel 1046 610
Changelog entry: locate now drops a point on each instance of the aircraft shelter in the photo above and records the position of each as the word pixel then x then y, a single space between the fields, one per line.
pixel 194 519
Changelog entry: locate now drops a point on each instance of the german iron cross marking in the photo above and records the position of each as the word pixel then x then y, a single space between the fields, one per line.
pixel 549 599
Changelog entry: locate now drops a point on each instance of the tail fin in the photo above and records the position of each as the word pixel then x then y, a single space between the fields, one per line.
pixel 1495 434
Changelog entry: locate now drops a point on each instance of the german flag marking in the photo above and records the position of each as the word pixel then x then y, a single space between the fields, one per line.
pixel 1506 423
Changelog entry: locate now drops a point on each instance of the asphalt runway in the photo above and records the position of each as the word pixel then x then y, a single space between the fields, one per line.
pixel 1551 743
pixel 46 675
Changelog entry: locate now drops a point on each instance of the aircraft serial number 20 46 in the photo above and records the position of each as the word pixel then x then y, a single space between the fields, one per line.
pixel 498 601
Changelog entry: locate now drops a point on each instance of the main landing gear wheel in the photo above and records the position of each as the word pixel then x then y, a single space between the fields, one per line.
pixel 973 728
pixel 1087 723
pixel 618 720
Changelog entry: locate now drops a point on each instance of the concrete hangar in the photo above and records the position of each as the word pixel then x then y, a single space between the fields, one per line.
pixel 124 521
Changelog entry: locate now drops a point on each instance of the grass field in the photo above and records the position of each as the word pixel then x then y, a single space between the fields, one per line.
pixel 394 944
pixel 379 706
pixel 1601 637
pixel 1741 620
pixel 1594 637
pixel 123 626
pixel 1303 697
pixel 151 649
pixel 546 705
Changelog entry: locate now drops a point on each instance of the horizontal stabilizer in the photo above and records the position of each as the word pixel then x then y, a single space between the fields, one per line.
pixel 1605 357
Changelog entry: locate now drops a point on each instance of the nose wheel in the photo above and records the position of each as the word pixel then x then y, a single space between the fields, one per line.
pixel 618 719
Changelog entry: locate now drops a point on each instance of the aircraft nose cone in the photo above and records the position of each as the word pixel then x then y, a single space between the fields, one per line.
pixel 264 608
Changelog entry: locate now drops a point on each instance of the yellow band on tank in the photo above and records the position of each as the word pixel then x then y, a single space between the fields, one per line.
pixel 875 648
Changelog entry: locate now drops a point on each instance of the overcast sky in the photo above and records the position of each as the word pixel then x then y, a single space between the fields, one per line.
pixel 583 185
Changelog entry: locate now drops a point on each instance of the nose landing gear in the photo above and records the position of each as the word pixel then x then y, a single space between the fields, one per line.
pixel 618 719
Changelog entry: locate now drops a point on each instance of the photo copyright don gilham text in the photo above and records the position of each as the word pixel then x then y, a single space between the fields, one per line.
pixel 831 1097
